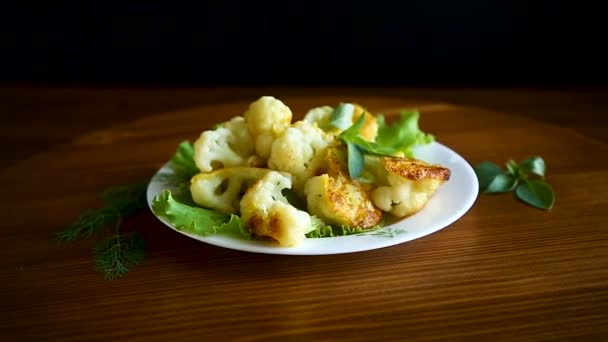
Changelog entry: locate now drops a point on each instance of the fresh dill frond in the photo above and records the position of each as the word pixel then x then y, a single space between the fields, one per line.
pixel 126 199
pixel 89 223
pixel 119 201
pixel 114 256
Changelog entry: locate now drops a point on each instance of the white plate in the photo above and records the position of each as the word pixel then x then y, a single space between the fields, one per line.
pixel 452 200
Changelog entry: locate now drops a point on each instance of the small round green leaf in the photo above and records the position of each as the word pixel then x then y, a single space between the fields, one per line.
pixel 537 193
pixel 512 168
pixel 486 172
pixel 535 165
pixel 502 183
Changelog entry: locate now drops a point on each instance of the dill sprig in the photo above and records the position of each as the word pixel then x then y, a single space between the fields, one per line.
pixel 89 223
pixel 115 255
pixel 119 201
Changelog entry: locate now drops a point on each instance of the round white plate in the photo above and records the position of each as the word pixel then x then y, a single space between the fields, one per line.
pixel 452 200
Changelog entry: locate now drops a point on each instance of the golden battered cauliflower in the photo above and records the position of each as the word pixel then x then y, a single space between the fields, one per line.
pixel 350 114
pixel 228 145
pixel 248 161
pixel 267 118
pixel 223 189
pixel 339 200
pixel 298 151
pixel 267 213
pixel 369 131
pixel 410 185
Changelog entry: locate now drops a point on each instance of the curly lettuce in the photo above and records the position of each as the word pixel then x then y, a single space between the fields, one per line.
pixel 404 135
pixel 197 220
pixel 183 161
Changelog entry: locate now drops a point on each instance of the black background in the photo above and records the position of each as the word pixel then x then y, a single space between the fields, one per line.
pixel 479 43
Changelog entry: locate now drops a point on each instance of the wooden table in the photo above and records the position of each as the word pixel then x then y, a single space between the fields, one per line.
pixel 503 271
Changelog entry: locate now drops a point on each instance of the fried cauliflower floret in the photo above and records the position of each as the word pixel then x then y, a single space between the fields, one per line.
pixel 228 145
pixel 352 112
pixel 342 201
pixel 333 161
pixel 267 118
pixel 369 131
pixel 298 151
pixel 319 115
pixel 337 199
pixel 410 185
pixel 267 213
pixel 223 189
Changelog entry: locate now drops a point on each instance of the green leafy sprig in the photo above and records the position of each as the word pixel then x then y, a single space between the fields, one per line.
pixel 119 201
pixel 527 179
pixel 116 254
pixel 391 140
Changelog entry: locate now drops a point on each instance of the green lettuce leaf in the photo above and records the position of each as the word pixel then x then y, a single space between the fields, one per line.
pixel 183 169
pixel 196 220
pixel 322 230
pixel 404 134
pixel 183 161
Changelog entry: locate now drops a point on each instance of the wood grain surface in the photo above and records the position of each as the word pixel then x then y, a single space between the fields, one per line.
pixel 504 271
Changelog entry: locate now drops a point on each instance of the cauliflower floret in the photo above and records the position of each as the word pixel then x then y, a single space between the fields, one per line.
pixel 299 151
pixel 339 200
pixel 410 185
pixel 320 115
pixel 370 127
pixel 228 145
pixel 351 113
pixel 336 198
pixel 222 189
pixel 267 213
pixel 266 119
